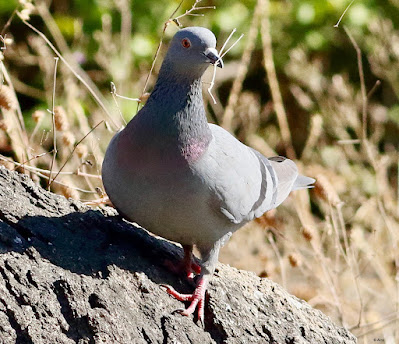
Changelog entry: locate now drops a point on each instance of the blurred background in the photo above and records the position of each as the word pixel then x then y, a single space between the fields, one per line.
pixel 300 83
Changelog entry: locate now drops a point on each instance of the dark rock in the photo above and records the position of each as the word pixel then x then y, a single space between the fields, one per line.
pixel 70 274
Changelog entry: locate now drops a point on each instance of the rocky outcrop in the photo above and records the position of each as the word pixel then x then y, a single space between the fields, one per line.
pixel 70 274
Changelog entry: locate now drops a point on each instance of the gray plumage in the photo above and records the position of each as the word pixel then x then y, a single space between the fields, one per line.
pixel 182 178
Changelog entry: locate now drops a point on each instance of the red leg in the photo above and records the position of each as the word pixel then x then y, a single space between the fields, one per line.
pixel 188 264
pixel 197 298
pixel 209 256
pixel 196 267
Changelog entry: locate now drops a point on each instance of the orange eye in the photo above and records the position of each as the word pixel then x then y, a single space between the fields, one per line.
pixel 186 43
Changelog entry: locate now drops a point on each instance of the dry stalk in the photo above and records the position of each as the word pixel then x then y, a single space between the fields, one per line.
pixel 45 174
pixel 97 202
pixel 310 232
pixel 316 129
pixel 126 29
pixel 279 258
pixel 114 95
pixel 394 244
pixel 212 83
pixel 73 66
pixel 388 317
pixel 389 321
pixel 78 73
pixel 53 122
pixel 83 121
pixel 242 70
pixel 362 83
pixel 16 127
pixel 73 150
pixel 7 25
pixel 383 188
pixel 272 78
pixel 342 15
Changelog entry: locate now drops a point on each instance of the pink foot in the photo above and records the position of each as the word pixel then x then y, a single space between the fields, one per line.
pixel 197 299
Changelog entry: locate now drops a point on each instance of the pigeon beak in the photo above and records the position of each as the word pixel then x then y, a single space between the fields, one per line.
pixel 213 57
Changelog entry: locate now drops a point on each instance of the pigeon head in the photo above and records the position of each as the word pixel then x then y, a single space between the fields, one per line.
pixel 191 51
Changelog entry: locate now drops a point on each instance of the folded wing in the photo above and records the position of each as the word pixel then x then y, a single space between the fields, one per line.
pixel 244 183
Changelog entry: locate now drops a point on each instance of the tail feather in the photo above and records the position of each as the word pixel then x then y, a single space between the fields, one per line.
pixel 303 182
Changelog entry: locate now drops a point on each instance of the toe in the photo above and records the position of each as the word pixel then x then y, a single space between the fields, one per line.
pixel 178 296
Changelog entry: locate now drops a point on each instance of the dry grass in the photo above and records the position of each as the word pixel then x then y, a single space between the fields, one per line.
pixel 336 247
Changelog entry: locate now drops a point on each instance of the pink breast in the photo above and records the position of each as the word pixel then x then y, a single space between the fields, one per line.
pixel 194 150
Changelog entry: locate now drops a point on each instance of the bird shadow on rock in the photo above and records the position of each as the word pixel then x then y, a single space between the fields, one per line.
pixel 92 243
pixel 89 243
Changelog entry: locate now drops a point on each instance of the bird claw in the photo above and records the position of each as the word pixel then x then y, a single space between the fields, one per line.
pixel 197 300
pixel 178 296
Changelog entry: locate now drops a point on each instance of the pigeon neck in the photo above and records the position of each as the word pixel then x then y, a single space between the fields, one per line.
pixel 178 113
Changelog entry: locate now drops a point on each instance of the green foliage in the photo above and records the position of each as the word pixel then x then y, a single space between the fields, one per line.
pixel 7 7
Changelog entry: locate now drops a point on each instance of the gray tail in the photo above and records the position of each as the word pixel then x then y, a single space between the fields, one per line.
pixel 302 182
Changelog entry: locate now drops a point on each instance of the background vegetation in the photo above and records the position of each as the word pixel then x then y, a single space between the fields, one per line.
pixel 296 84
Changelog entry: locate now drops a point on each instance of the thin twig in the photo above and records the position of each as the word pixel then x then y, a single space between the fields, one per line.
pixel 74 148
pixel 47 172
pixel 377 328
pixel 97 202
pixel 232 46
pixel 6 26
pixel 176 9
pixel 279 258
pixel 114 95
pixel 53 122
pixel 227 40
pixel 191 10
pixel 138 100
pixel 389 317
pixel 362 83
pixel 43 175
pixel 340 18
pixel 374 88
pixel 33 158
pixel 212 83
pixel 20 120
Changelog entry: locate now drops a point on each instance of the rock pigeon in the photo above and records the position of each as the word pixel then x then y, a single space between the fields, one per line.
pixel 185 179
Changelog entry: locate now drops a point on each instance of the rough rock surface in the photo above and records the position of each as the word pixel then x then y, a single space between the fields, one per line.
pixel 69 274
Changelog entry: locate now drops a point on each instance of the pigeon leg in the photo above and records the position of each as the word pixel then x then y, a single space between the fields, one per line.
pixel 197 298
pixel 188 264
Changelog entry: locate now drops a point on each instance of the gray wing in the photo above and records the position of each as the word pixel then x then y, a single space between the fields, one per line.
pixel 243 183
